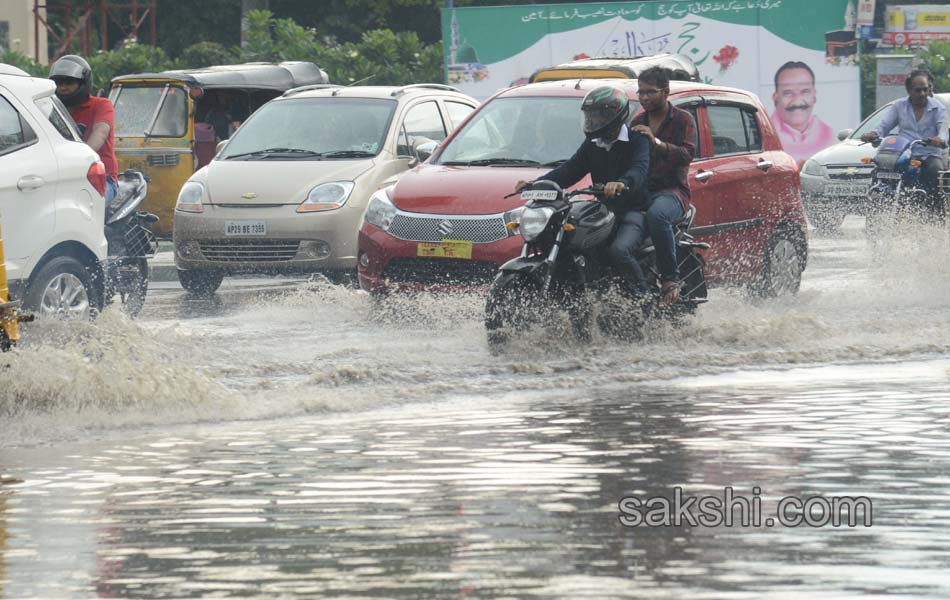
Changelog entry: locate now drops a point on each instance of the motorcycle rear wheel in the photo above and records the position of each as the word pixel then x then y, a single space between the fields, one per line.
pixel 133 289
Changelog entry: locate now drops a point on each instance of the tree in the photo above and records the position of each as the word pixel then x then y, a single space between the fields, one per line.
pixel 936 59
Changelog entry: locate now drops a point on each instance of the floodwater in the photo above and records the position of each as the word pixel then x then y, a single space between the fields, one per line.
pixel 288 440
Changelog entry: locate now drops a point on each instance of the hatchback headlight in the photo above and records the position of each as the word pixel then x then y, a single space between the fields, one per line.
pixel 380 211
pixel 190 197
pixel 534 221
pixel 814 168
pixel 327 196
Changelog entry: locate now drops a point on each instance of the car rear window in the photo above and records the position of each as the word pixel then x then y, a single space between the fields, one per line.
pixel 50 106
pixel 734 130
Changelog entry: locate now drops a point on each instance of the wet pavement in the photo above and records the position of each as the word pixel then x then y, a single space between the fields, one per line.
pixel 290 439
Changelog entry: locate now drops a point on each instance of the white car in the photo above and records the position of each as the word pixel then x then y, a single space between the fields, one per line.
pixel 835 182
pixel 52 205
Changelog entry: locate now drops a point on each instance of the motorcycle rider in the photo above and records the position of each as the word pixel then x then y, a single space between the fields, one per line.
pixel 619 160
pixel 95 116
pixel 919 117
pixel 672 134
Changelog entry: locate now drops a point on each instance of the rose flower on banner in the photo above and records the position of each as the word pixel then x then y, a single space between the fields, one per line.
pixel 727 56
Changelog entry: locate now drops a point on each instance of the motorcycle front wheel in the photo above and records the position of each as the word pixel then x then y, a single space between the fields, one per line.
pixel 509 308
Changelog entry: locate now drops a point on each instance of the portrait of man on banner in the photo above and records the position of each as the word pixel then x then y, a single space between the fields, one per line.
pixel 801 131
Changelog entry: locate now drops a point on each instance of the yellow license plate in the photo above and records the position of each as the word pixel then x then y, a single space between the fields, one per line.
pixel 446 249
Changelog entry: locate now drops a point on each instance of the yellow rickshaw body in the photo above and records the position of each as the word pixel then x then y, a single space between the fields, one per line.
pixel 158 116
pixel 9 321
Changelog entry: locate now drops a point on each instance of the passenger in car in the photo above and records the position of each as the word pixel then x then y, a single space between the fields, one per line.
pixel 619 161
pixel 671 132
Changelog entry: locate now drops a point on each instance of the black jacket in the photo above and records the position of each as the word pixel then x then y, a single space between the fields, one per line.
pixel 626 162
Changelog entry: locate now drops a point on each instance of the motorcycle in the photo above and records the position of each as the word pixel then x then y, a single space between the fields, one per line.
pixel 895 190
pixel 131 244
pixel 564 266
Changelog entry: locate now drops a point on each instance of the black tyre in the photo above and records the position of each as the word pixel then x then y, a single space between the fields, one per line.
pixel 508 309
pixel 826 221
pixel 200 282
pixel 62 288
pixel 784 265
pixel 134 288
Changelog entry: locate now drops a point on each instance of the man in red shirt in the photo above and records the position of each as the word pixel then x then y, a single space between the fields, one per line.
pixel 95 116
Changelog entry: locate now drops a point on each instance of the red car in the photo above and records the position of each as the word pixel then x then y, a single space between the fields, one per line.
pixel 444 223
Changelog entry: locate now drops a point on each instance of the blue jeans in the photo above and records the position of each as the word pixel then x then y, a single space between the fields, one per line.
pixel 665 209
pixel 112 188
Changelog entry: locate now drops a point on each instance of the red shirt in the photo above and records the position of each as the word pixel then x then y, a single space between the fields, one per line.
pixel 98 110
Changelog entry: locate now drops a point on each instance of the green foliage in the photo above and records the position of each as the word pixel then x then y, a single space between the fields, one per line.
pixel 868 84
pixel 383 56
pixel 387 58
pixel 204 54
pixel 936 59
pixel 12 57
pixel 132 57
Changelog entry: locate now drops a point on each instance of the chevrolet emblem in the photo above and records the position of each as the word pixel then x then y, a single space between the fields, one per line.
pixel 851 171
pixel 249 195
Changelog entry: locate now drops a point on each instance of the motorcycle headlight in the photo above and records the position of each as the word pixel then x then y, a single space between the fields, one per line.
pixel 534 221
pixel 327 196
pixel 190 197
pixel 380 211
pixel 814 168
pixel 512 217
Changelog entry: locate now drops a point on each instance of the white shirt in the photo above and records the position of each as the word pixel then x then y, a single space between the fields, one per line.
pixel 622 137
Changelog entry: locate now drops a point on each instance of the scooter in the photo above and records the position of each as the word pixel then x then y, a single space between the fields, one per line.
pixel 131 244
pixel 563 266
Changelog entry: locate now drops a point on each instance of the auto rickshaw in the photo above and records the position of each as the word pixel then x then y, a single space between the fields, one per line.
pixel 10 316
pixel 168 124
pixel 680 67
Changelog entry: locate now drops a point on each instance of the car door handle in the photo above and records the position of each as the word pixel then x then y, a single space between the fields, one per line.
pixel 764 165
pixel 30 182
pixel 704 175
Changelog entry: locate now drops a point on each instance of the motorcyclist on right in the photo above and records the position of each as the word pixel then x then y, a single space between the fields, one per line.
pixel 920 117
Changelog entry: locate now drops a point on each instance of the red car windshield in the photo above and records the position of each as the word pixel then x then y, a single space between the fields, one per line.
pixel 525 130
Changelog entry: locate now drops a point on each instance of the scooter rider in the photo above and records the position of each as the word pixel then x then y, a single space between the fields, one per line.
pixel 95 116
pixel 617 159
pixel 919 117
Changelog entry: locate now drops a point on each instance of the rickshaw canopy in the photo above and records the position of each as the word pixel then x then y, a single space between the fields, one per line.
pixel 263 76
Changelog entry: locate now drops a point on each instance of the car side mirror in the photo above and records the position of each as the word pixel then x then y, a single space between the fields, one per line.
pixel 844 134
pixel 422 149
pixel 220 147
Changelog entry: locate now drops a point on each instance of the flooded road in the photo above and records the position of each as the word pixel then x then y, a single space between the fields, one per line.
pixel 288 439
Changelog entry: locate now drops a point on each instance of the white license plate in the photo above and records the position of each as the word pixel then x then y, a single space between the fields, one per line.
pixel 846 189
pixel 889 176
pixel 245 228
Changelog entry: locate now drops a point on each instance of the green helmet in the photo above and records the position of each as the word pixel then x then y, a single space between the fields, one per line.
pixel 603 108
